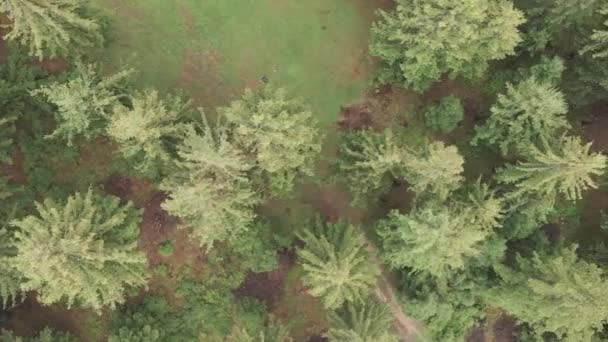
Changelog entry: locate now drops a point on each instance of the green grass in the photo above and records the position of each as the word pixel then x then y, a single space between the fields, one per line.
pixel 212 49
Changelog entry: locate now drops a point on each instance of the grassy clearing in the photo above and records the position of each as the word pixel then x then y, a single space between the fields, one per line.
pixel 212 49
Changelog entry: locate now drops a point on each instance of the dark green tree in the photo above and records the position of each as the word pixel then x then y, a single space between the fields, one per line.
pixel 361 322
pixel 555 293
pixel 446 115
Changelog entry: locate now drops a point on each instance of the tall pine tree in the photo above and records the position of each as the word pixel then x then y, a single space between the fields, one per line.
pixel 336 265
pixel 82 252
pixel 49 28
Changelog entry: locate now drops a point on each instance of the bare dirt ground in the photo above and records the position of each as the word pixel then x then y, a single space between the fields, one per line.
pixel 267 286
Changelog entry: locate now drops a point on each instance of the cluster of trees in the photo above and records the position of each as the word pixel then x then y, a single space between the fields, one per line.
pixel 464 244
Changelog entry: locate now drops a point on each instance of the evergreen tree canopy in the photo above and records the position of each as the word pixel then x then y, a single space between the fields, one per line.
pixel 143 128
pixel 599 40
pixel 421 40
pixel 439 238
pixel 7 130
pixel 50 27
pixel 84 252
pixel 565 167
pixel 361 322
pixel 46 335
pixel 336 265
pixel 554 293
pixel 83 102
pixel 446 115
pixel 528 112
pixel 368 161
pixel 210 188
pixel 278 133
pixel 437 168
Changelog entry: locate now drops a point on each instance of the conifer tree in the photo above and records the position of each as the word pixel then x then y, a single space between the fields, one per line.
pixel 83 101
pixel 554 293
pixel 82 252
pixel 599 40
pixel 278 133
pixel 421 40
pixel 566 167
pixel 439 238
pixel 144 128
pixel 210 189
pixel 46 335
pixel 10 278
pixel 7 129
pixel 362 322
pixel 437 168
pixel 529 112
pixel 368 161
pixel 337 267
pixel 49 28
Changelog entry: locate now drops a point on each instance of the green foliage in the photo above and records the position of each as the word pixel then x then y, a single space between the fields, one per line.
pixel 446 115
pixel 7 130
pixel 10 279
pixel 144 129
pixel 166 248
pixel 83 102
pixel 50 28
pixel 256 247
pixel 83 252
pixel 278 134
pixel 336 264
pixel 437 169
pixel 368 161
pixel 599 41
pixel 363 322
pixel 210 188
pixel 273 331
pixel 46 335
pixel 450 312
pixel 566 167
pixel 529 112
pixel 554 293
pixel 421 40
pixel 440 238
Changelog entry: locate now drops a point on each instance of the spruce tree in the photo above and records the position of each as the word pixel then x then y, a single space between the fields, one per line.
pixel 144 129
pixel 361 322
pixel 82 252
pixel 555 293
pixel 278 134
pixel 422 39
pixel 436 168
pixel 46 335
pixel 337 267
pixel 83 102
pixel 564 167
pixel 210 189
pixel 598 47
pixel 7 130
pixel 10 278
pixel 368 161
pixel 527 113
pixel 49 28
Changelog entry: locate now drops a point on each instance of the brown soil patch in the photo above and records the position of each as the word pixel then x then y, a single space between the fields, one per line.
pixel 267 286
pixel 54 65
pixel 157 227
pixel 595 128
pixel 333 202
pixel 357 116
pixel 14 171
pixel 504 328
pixel 589 230
pixel 390 105
pixel 201 78
pixel 477 335
pixel 129 189
pixel 30 317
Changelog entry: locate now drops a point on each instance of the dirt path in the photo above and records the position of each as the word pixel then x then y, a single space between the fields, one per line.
pixel 334 203
pixel 405 326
